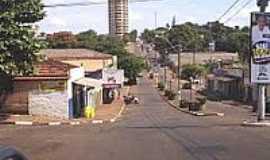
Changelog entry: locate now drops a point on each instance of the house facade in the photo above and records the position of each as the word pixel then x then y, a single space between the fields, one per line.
pixel 91 61
pixel 48 91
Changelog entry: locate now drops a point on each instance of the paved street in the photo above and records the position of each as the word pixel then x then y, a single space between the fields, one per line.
pixel 149 131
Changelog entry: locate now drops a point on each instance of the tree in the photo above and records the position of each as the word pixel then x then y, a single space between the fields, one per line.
pixel 133 35
pixel 87 39
pixel 148 36
pixel 18 43
pixel 191 70
pixel 110 45
pixel 62 40
pixel 186 36
pixel 132 66
pixel 239 42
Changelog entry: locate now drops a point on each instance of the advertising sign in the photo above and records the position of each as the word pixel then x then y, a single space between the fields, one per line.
pixel 113 77
pixel 260 48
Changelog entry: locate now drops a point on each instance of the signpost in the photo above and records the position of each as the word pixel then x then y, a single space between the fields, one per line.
pixel 260 56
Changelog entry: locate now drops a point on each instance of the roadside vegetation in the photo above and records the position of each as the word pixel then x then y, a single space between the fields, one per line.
pixel 191 37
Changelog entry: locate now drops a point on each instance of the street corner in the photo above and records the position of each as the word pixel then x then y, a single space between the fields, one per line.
pixel 104 117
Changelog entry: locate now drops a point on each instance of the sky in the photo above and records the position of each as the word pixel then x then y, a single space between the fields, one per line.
pixel 142 15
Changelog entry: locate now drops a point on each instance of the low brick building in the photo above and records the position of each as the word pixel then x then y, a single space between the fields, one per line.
pixel 47 91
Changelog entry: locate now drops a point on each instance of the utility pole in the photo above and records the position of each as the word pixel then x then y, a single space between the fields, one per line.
pixel 165 77
pixel 155 19
pixel 179 75
pixel 194 55
pixel 178 69
pixel 262 87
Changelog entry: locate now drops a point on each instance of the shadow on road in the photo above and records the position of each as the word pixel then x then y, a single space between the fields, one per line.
pixel 184 126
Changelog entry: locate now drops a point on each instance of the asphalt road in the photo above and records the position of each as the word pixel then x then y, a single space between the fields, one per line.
pixel 149 131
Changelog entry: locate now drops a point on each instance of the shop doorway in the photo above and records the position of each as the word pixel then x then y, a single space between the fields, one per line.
pixel 78 101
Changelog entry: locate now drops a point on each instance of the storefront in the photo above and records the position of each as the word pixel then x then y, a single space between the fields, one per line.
pixel 113 80
pixel 111 92
pixel 87 92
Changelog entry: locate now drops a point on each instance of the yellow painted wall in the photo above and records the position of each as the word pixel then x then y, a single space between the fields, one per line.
pixel 90 64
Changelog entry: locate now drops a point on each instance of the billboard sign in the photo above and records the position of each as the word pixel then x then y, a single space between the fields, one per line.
pixel 112 76
pixel 260 48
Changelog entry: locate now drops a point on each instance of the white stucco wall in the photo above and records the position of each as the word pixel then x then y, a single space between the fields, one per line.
pixel 49 104
pixel 75 74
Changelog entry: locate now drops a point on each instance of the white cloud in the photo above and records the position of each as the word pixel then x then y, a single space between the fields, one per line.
pixel 58 21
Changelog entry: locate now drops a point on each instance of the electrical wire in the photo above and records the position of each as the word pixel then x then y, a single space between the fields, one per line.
pixel 229 9
pixel 238 11
pixel 84 4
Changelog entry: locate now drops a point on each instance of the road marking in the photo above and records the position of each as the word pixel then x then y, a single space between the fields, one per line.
pixel 25 123
pixel 54 123
pixel 97 121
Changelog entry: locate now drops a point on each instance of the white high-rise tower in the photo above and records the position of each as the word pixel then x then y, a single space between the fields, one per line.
pixel 118 17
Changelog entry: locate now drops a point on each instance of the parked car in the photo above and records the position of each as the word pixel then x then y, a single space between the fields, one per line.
pixel 8 153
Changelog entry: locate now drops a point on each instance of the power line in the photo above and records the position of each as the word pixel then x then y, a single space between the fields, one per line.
pixel 229 9
pixel 238 11
pixel 84 4
pixel 73 4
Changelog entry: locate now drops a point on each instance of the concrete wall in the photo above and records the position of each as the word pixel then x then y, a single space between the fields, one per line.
pixel 49 104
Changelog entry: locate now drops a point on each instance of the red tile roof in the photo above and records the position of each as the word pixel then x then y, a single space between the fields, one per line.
pixel 48 70
pixel 71 54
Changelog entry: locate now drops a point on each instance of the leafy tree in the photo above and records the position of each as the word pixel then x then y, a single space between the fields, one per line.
pixel 197 37
pixel 148 36
pixel 132 66
pixel 239 42
pixel 186 35
pixel 110 45
pixel 18 43
pixel 87 39
pixel 193 71
pixel 133 35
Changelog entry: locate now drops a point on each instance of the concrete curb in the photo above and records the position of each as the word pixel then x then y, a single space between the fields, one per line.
pixel 199 114
pixel 30 123
pixel 256 124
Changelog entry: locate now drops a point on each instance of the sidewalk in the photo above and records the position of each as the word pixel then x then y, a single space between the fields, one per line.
pixel 234 111
pixel 107 112
pixel 104 113
pixel 110 112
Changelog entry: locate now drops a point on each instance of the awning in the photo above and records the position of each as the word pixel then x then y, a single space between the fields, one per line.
pixel 89 82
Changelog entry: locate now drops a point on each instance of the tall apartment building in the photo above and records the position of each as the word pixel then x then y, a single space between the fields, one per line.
pixel 118 17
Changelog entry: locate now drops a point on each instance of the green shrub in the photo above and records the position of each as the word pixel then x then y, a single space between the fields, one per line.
pixel 170 94
pixel 161 86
